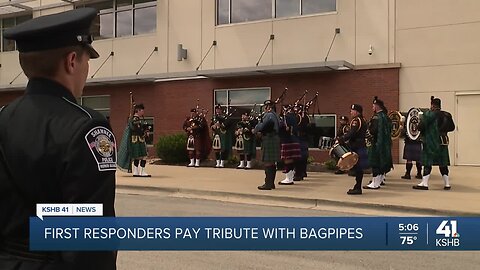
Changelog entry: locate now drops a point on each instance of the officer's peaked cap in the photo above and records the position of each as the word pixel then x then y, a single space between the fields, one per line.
pixel 54 31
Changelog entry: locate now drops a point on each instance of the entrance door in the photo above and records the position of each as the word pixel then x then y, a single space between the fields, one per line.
pixel 468 130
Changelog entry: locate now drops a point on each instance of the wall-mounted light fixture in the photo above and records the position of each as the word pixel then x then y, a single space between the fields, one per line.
pixel 181 53
pixel 370 49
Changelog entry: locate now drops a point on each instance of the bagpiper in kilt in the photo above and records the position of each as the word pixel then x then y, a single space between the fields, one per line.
pixel 290 146
pixel 133 145
pixel 434 126
pixel 194 126
pixel 245 144
pixel 354 137
pixel 379 144
pixel 221 143
pixel 269 127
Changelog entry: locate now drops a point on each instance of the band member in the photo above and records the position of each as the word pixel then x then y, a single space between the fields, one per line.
pixel 290 146
pixel 195 127
pixel 412 151
pixel 379 143
pixel 355 140
pixel 221 138
pixel 245 141
pixel 342 130
pixel 434 126
pixel 303 128
pixel 269 128
pixel 137 147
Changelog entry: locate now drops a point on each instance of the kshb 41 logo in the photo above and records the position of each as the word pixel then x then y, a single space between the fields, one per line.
pixel 448 229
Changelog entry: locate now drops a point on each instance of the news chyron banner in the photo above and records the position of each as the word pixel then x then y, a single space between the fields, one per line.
pixel 254 233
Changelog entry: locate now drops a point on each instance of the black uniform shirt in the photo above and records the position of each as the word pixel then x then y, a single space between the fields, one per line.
pixel 356 134
pixel 54 151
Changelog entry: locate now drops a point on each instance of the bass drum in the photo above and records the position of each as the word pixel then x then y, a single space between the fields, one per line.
pixel 414 117
pixel 345 158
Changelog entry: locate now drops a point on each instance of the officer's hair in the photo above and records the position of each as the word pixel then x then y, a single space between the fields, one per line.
pixel 46 63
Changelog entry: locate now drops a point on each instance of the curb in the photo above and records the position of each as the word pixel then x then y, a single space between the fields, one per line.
pixel 313 202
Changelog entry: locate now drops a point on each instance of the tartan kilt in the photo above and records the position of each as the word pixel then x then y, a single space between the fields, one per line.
pixel 412 151
pixel 138 149
pixel 441 158
pixel 290 151
pixel 271 148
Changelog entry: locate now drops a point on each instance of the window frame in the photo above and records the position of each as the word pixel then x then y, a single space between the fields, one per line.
pixel 274 13
pixel 335 129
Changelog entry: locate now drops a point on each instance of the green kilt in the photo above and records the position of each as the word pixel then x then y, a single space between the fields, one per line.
pixel 138 149
pixel 271 148
pixel 433 152
pixel 223 141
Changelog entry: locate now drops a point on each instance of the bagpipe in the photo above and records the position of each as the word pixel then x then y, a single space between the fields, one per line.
pixel 146 128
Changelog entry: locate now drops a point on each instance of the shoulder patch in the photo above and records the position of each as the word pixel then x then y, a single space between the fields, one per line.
pixel 102 144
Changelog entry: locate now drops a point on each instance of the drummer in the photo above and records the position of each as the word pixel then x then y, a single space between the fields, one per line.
pixel 355 139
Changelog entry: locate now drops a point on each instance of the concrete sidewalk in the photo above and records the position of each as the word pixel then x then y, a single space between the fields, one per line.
pixel 321 188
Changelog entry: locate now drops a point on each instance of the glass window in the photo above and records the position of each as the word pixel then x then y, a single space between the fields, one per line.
pixel 324 128
pixel 124 23
pixel 145 20
pixel 121 18
pixel 102 26
pixel 9 45
pixel 287 8
pixel 250 10
pixel 223 11
pixel 100 104
pixel 242 100
pixel 318 6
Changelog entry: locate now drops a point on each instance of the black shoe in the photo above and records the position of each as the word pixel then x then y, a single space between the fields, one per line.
pixel 419 176
pixel 406 176
pixel 383 183
pixel 354 191
pixel 447 188
pixel 339 172
pixel 297 178
pixel 420 187
pixel 265 187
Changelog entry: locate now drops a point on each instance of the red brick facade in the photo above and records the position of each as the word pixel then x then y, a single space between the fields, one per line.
pixel 170 102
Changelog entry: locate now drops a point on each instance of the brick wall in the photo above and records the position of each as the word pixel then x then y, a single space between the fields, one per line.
pixel 170 102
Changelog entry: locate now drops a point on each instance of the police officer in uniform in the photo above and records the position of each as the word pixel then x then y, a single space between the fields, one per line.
pixel 355 139
pixel 53 150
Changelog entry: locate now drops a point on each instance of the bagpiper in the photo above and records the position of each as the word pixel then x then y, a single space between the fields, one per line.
pixel 133 147
pixel 195 126
pixel 245 144
pixel 379 144
pixel 221 142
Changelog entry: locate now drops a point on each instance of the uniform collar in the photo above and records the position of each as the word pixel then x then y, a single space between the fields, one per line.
pixel 42 86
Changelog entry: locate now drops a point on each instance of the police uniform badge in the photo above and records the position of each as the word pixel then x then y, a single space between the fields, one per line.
pixel 101 142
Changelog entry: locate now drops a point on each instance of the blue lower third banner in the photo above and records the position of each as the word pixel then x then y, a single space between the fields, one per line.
pixel 255 233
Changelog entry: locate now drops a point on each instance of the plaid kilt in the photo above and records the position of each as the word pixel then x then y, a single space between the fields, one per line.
pixel 290 151
pixel 413 151
pixel 271 148
pixel 138 149
pixel 304 148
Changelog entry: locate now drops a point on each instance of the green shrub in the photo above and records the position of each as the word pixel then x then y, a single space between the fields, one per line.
pixel 310 159
pixel 172 149
pixel 331 164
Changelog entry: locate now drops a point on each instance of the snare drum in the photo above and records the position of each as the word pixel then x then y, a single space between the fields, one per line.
pixel 345 158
